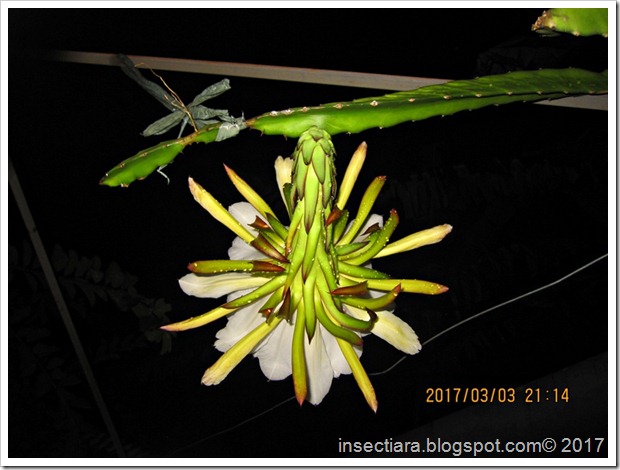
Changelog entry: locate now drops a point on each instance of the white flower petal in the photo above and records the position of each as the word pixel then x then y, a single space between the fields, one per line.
pixel 416 240
pixel 372 219
pixel 246 214
pixel 397 332
pixel 235 295
pixel 239 324
pixel 217 285
pixel 274 352
pixel 336 358
pixel 240 250
pixel 390 328
pixel 319 367
pixel 284 170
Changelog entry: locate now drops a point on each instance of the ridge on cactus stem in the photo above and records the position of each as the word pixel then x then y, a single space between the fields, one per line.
pixel 301 294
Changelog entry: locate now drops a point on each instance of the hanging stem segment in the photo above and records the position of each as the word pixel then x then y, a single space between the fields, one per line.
pixel 380 111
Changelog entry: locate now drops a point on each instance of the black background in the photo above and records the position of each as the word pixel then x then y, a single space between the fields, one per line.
pixel 525 187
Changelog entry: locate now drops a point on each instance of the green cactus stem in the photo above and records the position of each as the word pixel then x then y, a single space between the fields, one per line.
pixel 384 111
pixel 575 21
pixel 435 100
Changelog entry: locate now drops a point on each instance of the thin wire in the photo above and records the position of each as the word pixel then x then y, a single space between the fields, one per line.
pixel 456 325
pixel 231 428
pixel 462 322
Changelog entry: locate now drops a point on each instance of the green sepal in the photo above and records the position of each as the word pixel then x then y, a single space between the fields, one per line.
pixel 312 243
pixel 294 227
pixel 277 226
pixel 298 357
pixel 267 288
pixel 360 288
pixel 360 271
pixel 309 305
pixel 340 226
pixel 367 245
pixel 289 198
pixel 412 286
pixel 298 178
pixel 319 163
pixel 265 247
pixel 312 194
pixel 378 303
pixel 272 302
pixel 333 216
pixel 199 320
pixel 306 146
pixel 368 200
pixel 383 237
pixel 286 311
pixel 336 330
pixel 328 269
pixel 297 291
pixel 259 224
pixel 227 265
pixel 341 317
pixel 349 248
pixel 297 254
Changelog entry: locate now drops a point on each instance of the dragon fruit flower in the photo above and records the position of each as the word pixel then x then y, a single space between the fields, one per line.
pixel 301 296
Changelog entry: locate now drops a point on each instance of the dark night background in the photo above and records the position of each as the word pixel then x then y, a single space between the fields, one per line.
pixel 525 187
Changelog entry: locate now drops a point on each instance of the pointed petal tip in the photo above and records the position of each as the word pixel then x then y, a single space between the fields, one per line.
pixel 230 172
pixel 371 399
pixel 214 375
pixel 301 398
pixel 174 327
pixel 207 379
